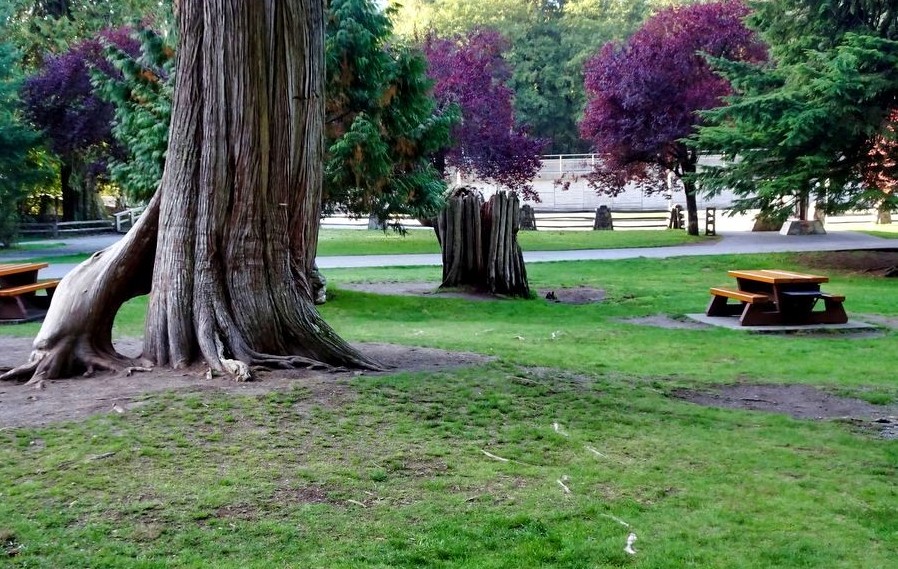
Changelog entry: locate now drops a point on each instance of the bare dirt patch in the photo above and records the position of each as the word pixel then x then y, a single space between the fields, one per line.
pixel 798 401
pixel 76 398
pixel 573 295
pixel 666 321
pixel 563 295
pixel 878 263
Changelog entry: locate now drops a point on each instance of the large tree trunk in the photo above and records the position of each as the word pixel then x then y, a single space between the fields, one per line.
pixel 238 210
pixel 479 243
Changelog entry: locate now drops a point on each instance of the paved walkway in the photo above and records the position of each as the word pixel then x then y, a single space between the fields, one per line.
pixel 730 243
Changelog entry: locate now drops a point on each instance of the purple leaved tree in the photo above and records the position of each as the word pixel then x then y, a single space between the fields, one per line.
pixel 61 102
pixel 469 71
pixel 644 95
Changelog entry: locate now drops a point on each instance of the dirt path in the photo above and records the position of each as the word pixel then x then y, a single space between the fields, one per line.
pixel 74 399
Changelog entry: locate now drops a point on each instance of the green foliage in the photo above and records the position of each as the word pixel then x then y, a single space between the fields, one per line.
pixel 382 122
pixel 803 126
pixel 39 27
pixel 24 164
pixel 142 99
pixel 548 43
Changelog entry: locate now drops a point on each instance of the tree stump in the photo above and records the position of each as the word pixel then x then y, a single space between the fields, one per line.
pixel 479 243
pixel 603 220
pixel 528 218
pixel 676 218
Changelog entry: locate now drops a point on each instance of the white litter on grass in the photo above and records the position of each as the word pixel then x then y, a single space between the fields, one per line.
pixel 493 456
pixel 631 539
pixel 559 430
pixel 561 482
pixel 617 519
pixel 595 452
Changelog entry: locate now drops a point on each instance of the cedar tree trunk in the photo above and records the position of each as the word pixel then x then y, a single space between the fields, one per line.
pixel 479 243
pixel 227 243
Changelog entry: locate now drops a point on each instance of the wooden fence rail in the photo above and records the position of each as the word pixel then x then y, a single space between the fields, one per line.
pixel 62 228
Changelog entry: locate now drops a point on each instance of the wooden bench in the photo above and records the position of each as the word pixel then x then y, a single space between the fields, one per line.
pixel 833 313
pixel 742 296
pixel 754 308
pixel 20 303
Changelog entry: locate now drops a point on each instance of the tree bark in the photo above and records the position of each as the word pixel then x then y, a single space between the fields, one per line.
pixel 69 195
pixel 238 210
pixel 685 167
pixel 479 243
pixel 884 213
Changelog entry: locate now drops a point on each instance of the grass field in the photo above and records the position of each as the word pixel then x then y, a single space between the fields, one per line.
pixel 359 242
pixel 576 414
pixel 355 242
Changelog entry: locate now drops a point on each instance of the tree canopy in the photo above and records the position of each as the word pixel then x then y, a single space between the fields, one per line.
pixel 141 95
pixel 644 94
pixel 803 126
pixel 60 100
pixel 22 164
pixel 471 72
pixel 548 42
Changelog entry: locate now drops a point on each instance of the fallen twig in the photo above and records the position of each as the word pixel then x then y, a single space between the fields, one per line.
pixel 559 430
pixel 595 452
pixel 617 519
pixel 102 456
pixel 357 503
pixel 561 482
pixel 493 456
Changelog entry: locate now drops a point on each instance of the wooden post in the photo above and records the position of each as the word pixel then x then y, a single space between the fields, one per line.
pixel 603 220
pixel 711 221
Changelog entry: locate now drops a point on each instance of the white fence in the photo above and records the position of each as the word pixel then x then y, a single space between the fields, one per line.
pixel 562 188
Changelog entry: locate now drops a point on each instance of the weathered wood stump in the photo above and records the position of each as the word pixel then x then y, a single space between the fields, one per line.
pixel 479 243
pixel 603 220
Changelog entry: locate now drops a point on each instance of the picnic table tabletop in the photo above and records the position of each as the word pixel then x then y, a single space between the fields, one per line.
pixel 17 268
pixel 777 277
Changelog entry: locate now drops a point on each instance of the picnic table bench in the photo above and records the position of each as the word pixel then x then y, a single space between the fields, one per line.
pixel 772 297
pixel 19 285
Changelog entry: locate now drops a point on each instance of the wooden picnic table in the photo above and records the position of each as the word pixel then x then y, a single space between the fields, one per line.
pixel 772 297
pixel 19 285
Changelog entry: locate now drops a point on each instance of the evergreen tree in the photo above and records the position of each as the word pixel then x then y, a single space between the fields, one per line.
pixel 382 124
pixel 801 128
pixel 141 94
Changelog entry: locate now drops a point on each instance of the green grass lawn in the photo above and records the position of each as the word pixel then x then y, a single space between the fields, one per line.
pixel 31 246
pixel 358 242
pixel 333 242
pixel 393 471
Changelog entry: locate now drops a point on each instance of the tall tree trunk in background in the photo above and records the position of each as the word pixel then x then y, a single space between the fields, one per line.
pixel 479 243
pixel 884 213
pixel 237 209
pixel 688 168
pixel 69 195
